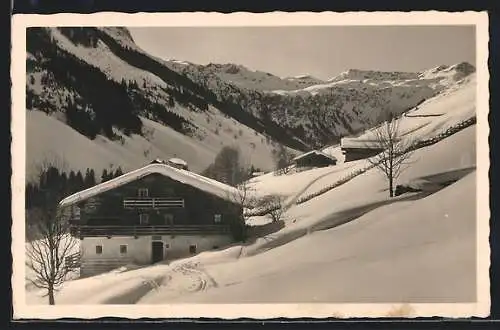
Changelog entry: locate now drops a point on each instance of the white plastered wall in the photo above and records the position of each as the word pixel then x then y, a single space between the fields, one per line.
pixel 139 249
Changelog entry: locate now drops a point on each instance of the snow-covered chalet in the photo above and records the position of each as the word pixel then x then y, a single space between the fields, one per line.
pixel 356 149
pixel 151 214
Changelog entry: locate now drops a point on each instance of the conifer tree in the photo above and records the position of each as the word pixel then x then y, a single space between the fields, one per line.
pixel 79 181
pixel 89 180
pixel 105 175
pixel 118 172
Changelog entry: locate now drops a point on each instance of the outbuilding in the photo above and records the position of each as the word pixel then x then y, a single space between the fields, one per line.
pixel 314 158
pixel 355 148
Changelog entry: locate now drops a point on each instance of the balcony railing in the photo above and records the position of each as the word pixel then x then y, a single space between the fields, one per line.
pixel 93 231
pixel 152 203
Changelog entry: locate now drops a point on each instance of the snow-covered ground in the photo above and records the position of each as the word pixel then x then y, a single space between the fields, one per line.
pixel 438 113
pixel 290 184
pixel 403 250
pixel 47 137
pixel 426 121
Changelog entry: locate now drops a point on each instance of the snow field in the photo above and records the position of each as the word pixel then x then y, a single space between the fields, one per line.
pixel 403 251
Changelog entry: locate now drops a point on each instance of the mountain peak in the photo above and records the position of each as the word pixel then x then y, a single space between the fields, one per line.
pixel 230 68
pixel 121 33
pixel 303 77
pixel 358 74
pixel 464 67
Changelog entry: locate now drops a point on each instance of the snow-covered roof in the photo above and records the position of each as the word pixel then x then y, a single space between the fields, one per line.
pixel 208 185
pixel 355 143
pixel 178 161
pixel 317 152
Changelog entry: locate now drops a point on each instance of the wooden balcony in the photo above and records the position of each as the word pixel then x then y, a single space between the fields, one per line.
pixel 147 230
pixel 152 203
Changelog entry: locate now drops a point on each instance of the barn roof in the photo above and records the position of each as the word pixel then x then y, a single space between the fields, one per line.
pixel 208 185
pixel 356 143
pixel 316 152
pixel 178 161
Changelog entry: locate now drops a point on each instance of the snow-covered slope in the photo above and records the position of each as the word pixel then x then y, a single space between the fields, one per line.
pixel 425 121
pixel 171 125
pixel 210 105
pixel 416 248
pixel 435 115
pixel 320 112
pixel 407 252
pixel 354 100
pixel 50 139
pixel 355 74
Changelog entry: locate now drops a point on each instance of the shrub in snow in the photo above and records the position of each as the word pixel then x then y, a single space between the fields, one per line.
pixel 401 189
pixel 272 206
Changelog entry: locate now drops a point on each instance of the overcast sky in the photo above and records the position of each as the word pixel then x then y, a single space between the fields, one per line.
pixel 320 51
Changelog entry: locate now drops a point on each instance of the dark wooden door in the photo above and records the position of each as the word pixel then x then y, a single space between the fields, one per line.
pixel 157 252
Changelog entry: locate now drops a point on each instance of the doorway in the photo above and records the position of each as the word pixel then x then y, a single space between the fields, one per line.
pixel 157 252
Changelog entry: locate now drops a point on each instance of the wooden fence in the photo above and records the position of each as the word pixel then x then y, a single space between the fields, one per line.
pixel 72 261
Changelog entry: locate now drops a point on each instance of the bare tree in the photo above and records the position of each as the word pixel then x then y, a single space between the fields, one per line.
pixel 244 195
pixel 396 149
pixel 52 243
pixel 46 255
pixel 273 207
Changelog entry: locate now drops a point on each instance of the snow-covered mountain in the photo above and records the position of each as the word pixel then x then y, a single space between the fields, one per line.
pixel 114 99
pixel 320 112
pixel 243 77
pixel 110 104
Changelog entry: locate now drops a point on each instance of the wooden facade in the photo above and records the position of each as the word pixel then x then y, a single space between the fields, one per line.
pixel 315 159
pixel 352 154
pixel 154 200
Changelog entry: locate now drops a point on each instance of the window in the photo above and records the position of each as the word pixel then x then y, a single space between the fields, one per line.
pixel 168 218
pixel 123 249
pixel 217 218
pixel 143 192
pixel 143 218
pixel 192 248
pixel 98 249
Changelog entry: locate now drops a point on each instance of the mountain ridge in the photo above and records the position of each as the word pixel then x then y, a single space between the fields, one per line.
pixel 107 84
